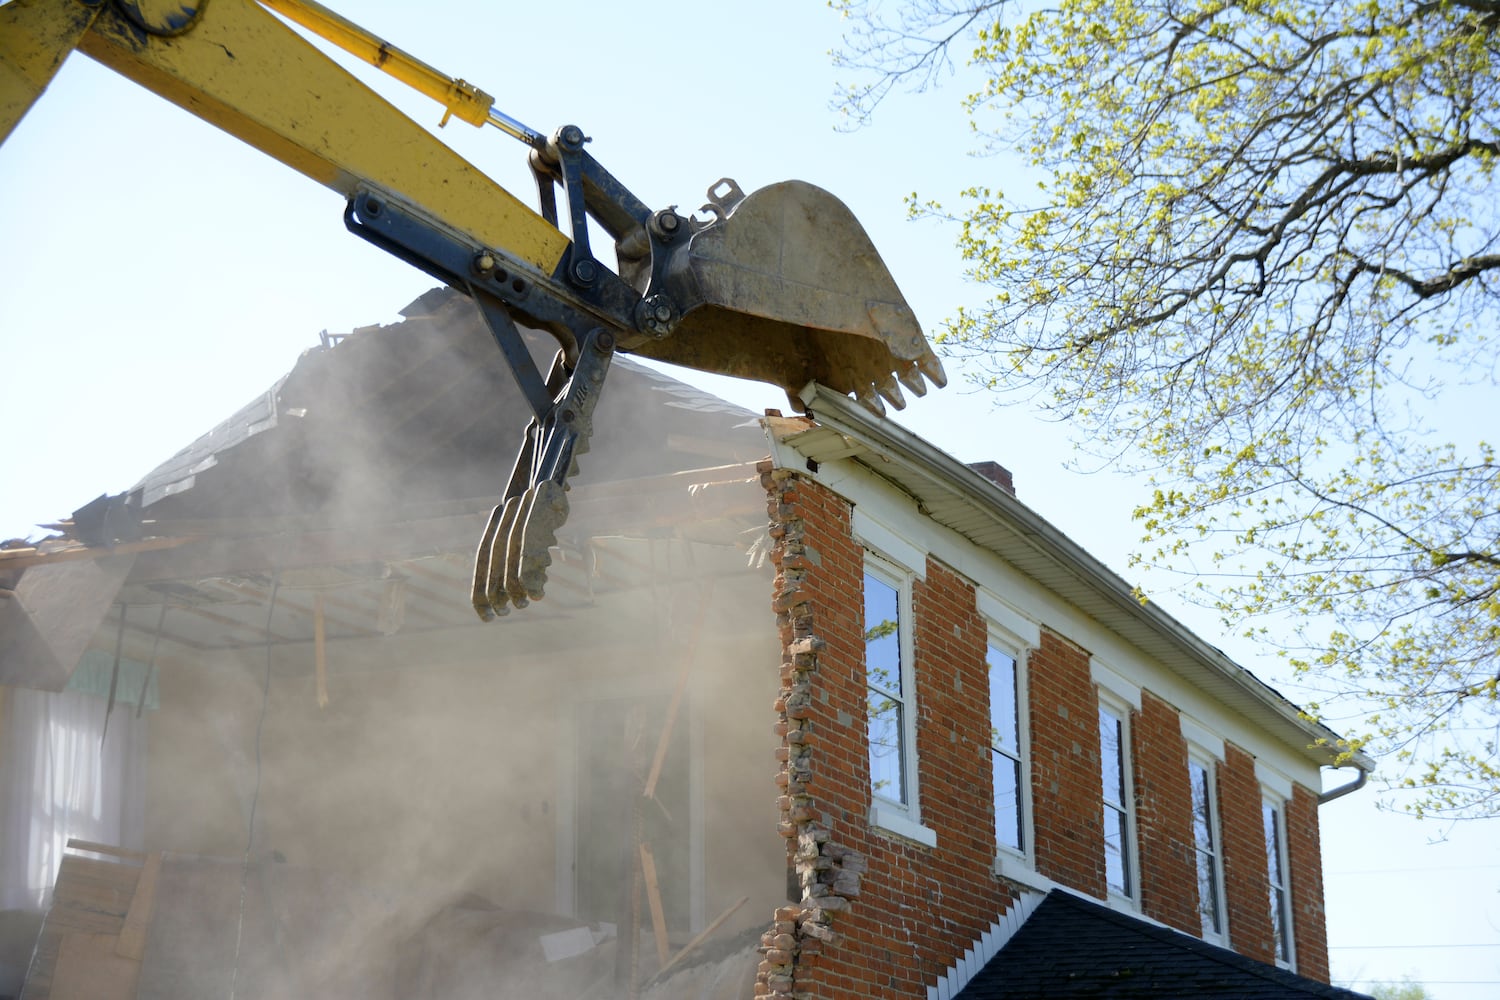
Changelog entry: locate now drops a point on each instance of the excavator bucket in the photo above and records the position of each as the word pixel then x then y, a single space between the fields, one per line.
pixel 785 287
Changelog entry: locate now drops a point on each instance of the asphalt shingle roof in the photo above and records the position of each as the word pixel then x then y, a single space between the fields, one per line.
pixel 1071 947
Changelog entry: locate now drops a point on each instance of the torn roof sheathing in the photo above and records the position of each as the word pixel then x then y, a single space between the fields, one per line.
pixel 366 475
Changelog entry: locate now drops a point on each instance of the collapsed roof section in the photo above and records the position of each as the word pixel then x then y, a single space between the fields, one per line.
pixel 371 466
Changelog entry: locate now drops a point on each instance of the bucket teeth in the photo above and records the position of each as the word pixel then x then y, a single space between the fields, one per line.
pixel 912 379
pixel 869 400
pixel 892 393
pixel 933 369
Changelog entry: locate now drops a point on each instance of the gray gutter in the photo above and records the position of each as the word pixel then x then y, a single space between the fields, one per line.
pixel 946 473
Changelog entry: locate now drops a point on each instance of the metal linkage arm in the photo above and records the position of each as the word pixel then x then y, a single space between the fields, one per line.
pixel 510 566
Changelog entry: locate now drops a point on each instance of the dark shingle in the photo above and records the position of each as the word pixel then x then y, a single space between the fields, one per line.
pixel 1071 947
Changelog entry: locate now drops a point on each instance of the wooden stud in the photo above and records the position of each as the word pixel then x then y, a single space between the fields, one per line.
pixel 132 943
pixel 653 899
pixel 703 935
pixel 320 651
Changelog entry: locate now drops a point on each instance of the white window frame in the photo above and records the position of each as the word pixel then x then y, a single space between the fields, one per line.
pixel 1130 850
pixel 1279 892
pixel 1001 644
pixel 1209 764
pixel 903 818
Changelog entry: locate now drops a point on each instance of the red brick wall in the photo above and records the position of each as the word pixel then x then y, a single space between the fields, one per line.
pixel 880 916
pixel 1067 804
pixel 1245 879
pixel 1309 923
pixel 1164 816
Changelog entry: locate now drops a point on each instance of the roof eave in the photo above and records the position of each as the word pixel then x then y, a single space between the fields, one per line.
pixel 947 475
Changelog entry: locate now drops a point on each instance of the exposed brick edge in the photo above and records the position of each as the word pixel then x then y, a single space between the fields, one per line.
pixel 827 873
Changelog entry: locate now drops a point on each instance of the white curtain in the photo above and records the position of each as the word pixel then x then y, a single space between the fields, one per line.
pixel 57 783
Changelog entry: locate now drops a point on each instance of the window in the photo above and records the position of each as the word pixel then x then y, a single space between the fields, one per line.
pixel 1278 894
pixel 890 704
pixel 1206 845
pixel 886 694
pixel 1114 771
pixel 1005 750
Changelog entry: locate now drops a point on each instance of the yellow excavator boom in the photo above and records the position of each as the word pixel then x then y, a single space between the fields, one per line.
pixel 782 285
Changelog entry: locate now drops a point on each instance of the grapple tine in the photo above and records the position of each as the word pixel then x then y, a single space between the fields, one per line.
pixel 479 593
pixel 514 542
pixel 495 586
pixel 546 512
pixel 869 400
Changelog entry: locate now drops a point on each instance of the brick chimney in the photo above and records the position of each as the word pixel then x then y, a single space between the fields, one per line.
pixel 995 473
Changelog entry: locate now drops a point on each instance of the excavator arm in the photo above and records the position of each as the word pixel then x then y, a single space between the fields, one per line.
pixel 782 285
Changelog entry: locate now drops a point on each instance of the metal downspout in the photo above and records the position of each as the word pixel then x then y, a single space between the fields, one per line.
pixel 1337 793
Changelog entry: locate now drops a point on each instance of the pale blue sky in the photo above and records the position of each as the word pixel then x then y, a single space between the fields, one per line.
pixel 157 275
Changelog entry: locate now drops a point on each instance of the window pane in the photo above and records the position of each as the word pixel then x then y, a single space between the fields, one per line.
pixel 1111 761
pixel 1276 873
pixel 1203 840
pixel 886 771
pixel 882 635
pixel 1116 860
pixel 1278 924
pixel 1005 720
pixel 1273 843
pixel 1007 773
pixel 1203 827
pixel 1208 893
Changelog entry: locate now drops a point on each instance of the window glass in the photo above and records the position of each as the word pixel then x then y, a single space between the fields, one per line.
pixel 1005 750
pixel 1276 875
pixel 886 707
pixel 1117 850
pixel 1205 841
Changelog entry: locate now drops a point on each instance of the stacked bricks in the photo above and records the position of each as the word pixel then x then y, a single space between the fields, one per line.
pixel 1245 879
pixel 876 915
pixel 827 874
pixel 1309 921
pixel 1065 783
pixel 901 925
pixel 1164 816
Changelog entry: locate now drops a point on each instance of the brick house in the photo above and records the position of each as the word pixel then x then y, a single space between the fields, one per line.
pixel 975 714
pixel 852 748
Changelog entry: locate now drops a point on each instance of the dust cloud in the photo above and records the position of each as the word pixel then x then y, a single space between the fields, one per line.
pixel 443 808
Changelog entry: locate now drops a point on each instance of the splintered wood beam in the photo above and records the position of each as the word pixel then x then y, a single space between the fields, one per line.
pixel 653 900
pixel 702 936
pixel 132 943
pixel 34 556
